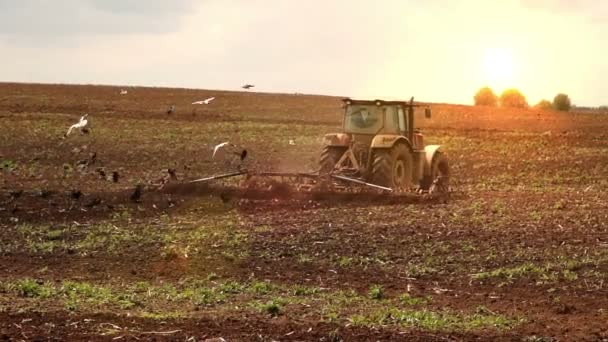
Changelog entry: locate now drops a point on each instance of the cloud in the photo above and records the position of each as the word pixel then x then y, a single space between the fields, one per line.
pixel 590 10
pixel 50 21
pixel 430 49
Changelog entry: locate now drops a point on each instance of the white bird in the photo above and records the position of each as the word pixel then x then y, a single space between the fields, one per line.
pixel 206 101
pixel 123 92
pixel 292 142
pixel 217 147
pixel 80 125
pixel 171 109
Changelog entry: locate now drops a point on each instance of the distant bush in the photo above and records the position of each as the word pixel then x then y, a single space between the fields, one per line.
pixel 486 97
pixel 544 105
pixel 562 102
pixel 513 98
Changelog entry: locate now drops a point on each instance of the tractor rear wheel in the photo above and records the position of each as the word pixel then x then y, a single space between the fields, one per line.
pixel 392 167
pixel 440 167
pixel 330 155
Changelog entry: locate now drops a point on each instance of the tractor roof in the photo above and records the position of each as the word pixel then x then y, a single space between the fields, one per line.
pixel 380 102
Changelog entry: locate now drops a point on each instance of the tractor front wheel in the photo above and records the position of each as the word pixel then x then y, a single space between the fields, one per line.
pixel 392 167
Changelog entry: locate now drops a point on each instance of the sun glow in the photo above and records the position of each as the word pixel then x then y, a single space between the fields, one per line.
pixel 499 68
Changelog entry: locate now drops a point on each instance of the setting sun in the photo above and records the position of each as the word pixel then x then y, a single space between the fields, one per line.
pixel 499 67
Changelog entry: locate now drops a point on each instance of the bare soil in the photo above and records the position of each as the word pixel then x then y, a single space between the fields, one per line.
pixel 523 234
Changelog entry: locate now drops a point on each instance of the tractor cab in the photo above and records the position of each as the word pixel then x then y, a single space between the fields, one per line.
pixel 380 144
pixel 371 118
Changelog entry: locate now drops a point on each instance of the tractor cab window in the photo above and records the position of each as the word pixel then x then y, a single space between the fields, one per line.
pixel 402 124
pixel 363 119
pixel 392 119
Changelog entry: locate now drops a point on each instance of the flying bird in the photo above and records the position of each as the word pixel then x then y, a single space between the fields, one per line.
pixel 123 92
pixel 81 125
pixel 218 146
pixel 171 109
pixel 248 86
pixel 206 101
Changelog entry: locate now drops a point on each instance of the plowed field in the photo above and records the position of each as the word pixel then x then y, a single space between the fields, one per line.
pixel 518 253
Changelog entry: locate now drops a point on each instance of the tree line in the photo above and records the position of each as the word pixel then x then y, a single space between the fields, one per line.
pixel 513 98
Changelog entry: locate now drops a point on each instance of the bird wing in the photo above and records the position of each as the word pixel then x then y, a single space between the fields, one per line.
pixel 197 102
pixel 71 128
pixel 207 101
pixel 217 147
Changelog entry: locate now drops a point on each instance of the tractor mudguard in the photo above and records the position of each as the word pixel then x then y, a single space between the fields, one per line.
pixel 336 139
pixel 430 152
pixel 388 140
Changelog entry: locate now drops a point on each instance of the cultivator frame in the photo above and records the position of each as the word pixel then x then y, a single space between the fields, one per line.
pixel 315 182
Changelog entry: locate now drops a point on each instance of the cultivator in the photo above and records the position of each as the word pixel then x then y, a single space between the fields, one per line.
pixel 285 183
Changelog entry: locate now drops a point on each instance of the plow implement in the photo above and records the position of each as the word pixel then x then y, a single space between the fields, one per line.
pixel 254 184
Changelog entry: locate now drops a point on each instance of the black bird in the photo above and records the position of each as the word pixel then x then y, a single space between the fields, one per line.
pixel 44 193
pixel 248 86
pixel 101 173
pixel 170 201
pixel 95 201
pixel 76 194
pixel 16 193
pixel 225 197
pixel 115 176
pixel 92 158
pixel 136 195
pixel 172 173
pixel 242 155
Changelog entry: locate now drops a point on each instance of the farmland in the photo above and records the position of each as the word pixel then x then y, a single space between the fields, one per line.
pixel 518 253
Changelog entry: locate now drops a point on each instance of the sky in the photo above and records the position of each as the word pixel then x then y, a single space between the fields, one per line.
pixel 435 50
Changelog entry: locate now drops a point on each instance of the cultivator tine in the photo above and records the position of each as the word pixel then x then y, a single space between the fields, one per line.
pixel 361 182
pixel 227 175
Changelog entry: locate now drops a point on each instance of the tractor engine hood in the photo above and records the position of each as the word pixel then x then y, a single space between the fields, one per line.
pixel 337 139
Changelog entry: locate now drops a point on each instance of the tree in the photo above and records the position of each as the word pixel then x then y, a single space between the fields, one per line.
pixel 513 98
pixel 562 102
pixel 544 105
pixel 486 97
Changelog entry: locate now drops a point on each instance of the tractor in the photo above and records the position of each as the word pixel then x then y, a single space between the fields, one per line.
pixel 381 146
